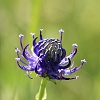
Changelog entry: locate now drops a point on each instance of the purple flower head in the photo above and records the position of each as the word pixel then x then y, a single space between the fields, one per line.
pixel 47 58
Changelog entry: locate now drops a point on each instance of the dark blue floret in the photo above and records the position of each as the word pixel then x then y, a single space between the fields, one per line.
pixel 48 58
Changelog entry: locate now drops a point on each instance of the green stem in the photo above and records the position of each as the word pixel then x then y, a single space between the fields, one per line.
pixel 42 88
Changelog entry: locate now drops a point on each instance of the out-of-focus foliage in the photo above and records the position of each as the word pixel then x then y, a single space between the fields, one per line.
pixel 81 22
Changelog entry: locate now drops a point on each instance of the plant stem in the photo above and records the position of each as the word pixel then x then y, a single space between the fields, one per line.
pixel 42 88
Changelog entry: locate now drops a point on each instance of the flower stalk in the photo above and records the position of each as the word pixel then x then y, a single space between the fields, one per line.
pixel 42 88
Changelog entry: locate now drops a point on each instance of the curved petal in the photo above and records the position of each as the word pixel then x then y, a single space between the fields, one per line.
pixel 41 34
pixel 31 58
pixel 34 41
pixel 18 51
pixel 74 51
pixel 63 53
pixel 21 37
pixel 68 72
pixel 28 68
pixel 65 64
pixel 36 49
pixel 28 75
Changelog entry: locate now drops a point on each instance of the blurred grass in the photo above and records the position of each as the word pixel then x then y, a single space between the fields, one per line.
pixel 81 23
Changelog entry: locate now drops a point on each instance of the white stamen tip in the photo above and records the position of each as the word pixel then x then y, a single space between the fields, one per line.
pixel 76 76
pixel 21 35
pixel 83 61
pixel 61 31
pixel 41 30
pixel 17 59
pixel 32 34
pixel 75 45
pixel 17 50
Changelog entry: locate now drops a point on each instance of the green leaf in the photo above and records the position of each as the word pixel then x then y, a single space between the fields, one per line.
pixel 44 96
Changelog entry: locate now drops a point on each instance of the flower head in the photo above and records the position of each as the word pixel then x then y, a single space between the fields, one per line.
pixel 47 58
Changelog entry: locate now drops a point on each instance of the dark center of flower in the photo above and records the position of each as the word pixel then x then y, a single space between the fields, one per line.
pixel 50 50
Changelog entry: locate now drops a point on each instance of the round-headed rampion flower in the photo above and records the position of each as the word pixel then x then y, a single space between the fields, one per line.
pixel 47 58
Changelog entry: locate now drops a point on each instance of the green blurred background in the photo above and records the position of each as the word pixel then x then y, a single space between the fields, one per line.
pixel 80 19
